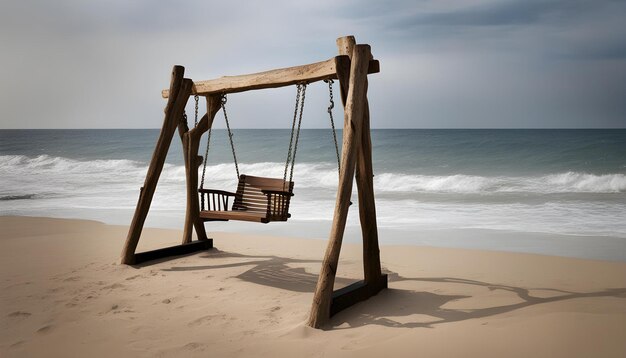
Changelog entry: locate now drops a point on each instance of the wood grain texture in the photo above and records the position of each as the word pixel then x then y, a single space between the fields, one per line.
pixel 365 184
pixel 271 79
pixel 193 139
pixel 173 111
pixel 235 215
pixel 353 114
pixel 191 144
pixel 257 199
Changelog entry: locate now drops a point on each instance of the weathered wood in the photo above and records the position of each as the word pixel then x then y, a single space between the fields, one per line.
pixel 183 129
pixel 353 115
pixel 191 174
pixel 257 199
pixel 356 292
pixel 191 144
pixel 177 250
pixel 345 45
pixel 271 79
pixel 367 203
pixel 181 87
pixel 365 184
pixel 253 216
pixel 213 105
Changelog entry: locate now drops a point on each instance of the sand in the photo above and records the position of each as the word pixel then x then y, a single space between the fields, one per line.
pixel 65 295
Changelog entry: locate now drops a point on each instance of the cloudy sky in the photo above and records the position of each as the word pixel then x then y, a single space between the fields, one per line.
pixel 444 64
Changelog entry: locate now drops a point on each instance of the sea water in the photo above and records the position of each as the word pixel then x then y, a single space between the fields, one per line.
pixel 430 185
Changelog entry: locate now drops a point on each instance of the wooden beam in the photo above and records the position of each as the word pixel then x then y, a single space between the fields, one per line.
pixel 177 250
pixel 353 114
pixel 354 293
pixel 271 79
pixel 181 87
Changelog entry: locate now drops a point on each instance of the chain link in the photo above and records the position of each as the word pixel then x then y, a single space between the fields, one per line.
pixel 332 122
pixel 206 155
pixel 295 147
pixel 293 126
pixel 230 133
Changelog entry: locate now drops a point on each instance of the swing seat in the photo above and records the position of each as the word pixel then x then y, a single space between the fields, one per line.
pixel 257 199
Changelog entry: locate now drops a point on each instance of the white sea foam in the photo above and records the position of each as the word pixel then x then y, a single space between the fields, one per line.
pixel 45 170
pixel 570 182
pixel 45 185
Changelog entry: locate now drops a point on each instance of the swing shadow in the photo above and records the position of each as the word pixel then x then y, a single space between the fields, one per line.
pixel 413 308
pixel 267 270
pixel 427 308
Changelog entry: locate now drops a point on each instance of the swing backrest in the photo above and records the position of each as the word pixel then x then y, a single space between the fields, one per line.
pixel 253 192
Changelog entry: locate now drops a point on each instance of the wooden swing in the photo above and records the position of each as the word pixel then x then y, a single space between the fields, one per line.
pixel 259 199
pixel 267 199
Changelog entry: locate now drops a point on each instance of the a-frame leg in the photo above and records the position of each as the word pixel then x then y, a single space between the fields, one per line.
pixel 180 88
pixel 365 186
pixel 191 144
pixel 364 181
pixel 353 115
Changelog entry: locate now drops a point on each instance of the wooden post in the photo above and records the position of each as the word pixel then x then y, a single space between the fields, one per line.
pixel 180 88
pixel 365 184
pixel 183 129
pixel 191 143
pixel 353 114
pixel 191 174
pixel 367 203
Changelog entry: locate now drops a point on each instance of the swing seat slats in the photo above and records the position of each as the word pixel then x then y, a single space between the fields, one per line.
pixel 257 199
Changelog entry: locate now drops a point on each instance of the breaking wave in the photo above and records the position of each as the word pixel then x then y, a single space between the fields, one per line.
pixel 48 172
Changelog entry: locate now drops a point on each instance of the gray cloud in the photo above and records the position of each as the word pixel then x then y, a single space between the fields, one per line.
pixel 500 13
pixel 444 63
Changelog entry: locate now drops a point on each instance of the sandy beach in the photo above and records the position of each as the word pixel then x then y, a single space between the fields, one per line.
pixel 64 294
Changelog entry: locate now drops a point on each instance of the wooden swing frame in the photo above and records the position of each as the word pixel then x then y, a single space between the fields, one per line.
pixel 350 68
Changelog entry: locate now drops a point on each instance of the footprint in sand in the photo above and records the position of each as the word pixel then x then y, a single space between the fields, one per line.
pixel 17 344
pixel 204 319
pixel 193 346
pixel 113 286
pixel 275 308
pixel 132 277
pixel 72 279
pixel 19 314
pixel 45 329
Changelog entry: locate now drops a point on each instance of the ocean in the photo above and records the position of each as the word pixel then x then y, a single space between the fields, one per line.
pixel 558 191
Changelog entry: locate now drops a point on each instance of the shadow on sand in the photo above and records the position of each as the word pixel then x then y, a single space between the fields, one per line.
pixel 275 271
pixel 270 270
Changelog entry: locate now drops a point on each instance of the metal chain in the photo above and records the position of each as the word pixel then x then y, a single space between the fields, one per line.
pixel 206 155
pixel 195 122
pixel 293 126
pixel 332 122
pixel 295 147
pixel 230 134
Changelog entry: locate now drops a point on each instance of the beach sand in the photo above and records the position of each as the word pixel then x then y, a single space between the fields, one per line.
pixel 64 294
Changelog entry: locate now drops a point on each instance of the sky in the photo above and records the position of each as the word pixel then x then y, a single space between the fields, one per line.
pixel 444 64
